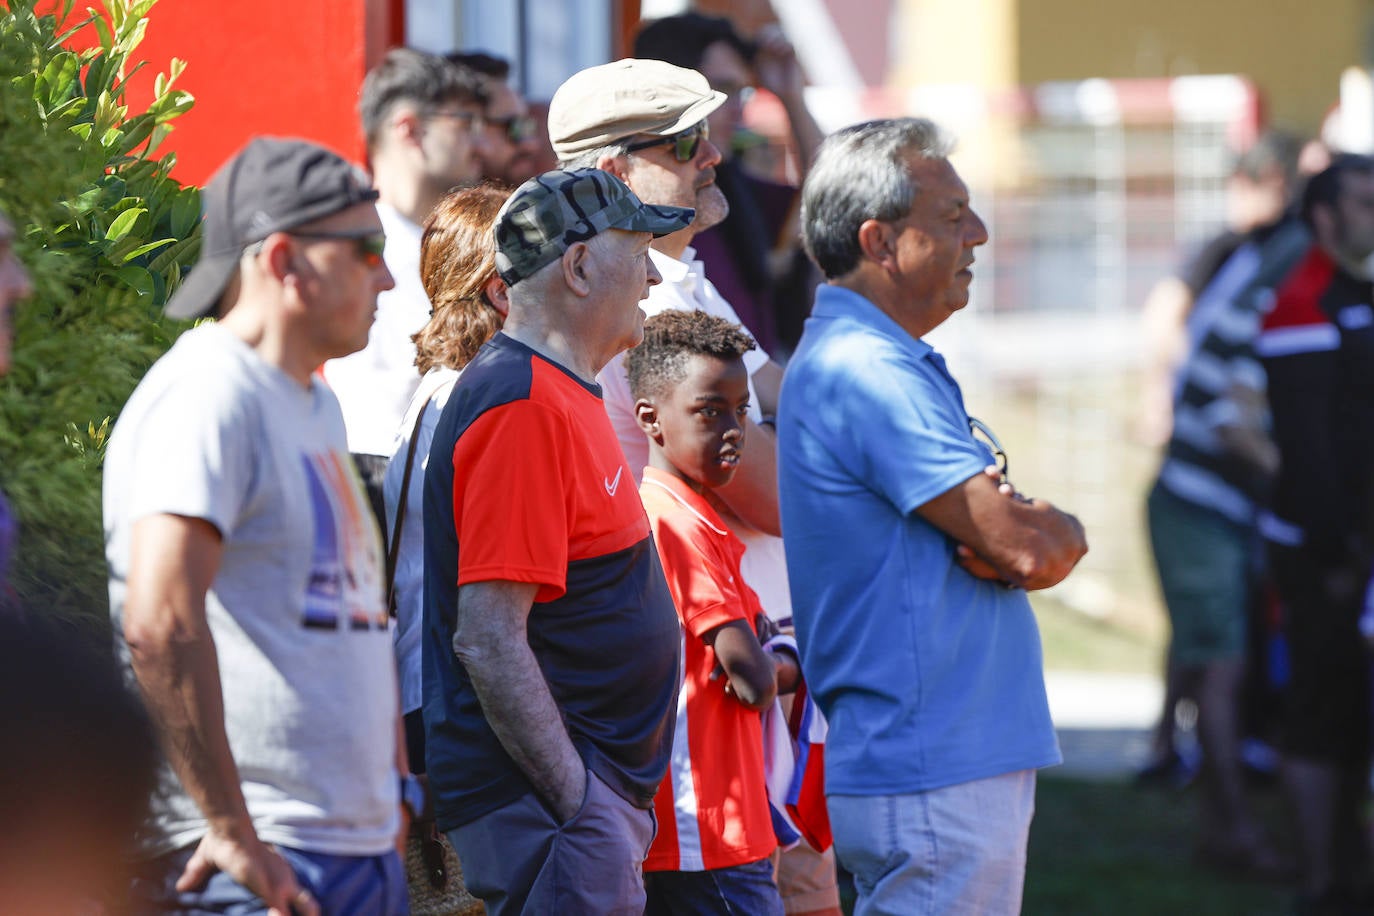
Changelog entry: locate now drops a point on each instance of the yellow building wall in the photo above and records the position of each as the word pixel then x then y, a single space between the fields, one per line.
pixel 1294 52
pixel 954 41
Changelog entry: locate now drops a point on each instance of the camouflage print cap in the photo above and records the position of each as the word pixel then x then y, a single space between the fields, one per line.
pixel 549 213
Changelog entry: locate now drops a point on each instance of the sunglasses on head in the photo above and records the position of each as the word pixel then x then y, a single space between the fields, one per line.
pixel 685 143
pixel 368 245
pixel 517 129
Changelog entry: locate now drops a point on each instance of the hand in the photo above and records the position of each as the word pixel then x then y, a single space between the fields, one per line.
pixel 252 864
pixel 775 63
pixel 566 809
pixel 766 628
pixel 975 565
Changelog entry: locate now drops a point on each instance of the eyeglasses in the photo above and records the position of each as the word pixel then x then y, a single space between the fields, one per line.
pixel 685 144
pixel 369 246
pixel 517 128
pixel 476 123
pixel 981 431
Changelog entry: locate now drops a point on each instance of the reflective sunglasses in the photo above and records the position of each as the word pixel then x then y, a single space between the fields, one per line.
pixel 685 143
pixel 517 129
pixel 369 246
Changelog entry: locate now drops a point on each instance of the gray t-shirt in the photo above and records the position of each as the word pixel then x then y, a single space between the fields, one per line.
pixel 296 610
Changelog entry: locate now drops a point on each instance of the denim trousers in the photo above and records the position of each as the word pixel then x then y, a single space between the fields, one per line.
pixel 959 849
pixel 341 884
pixel 746 890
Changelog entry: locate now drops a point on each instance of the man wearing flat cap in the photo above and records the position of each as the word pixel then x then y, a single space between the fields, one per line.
pixel 551 648
pixel 246 569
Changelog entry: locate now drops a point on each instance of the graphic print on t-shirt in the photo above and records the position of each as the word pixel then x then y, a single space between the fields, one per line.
pixel 345 575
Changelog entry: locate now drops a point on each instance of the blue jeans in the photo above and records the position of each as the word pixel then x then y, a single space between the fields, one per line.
pixel 747 890
pixel 375 885
pixel 955 850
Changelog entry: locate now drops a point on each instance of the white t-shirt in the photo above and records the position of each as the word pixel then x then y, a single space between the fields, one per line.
pixel 409 584
pixel 296 609
pixel 374 385
pixel 686 288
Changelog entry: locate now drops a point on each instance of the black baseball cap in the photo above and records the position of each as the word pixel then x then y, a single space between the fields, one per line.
pixel 270 185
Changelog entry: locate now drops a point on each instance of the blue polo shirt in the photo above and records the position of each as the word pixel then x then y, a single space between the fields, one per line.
pixel 929 676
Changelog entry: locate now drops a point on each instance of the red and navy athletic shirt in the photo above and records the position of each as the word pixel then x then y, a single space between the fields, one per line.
pixel 526 482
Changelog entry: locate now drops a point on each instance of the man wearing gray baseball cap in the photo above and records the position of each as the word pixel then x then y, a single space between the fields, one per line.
pixel 245 569
pixel 551 646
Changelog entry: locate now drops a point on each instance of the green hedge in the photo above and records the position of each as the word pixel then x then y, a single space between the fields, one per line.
pixel 106 233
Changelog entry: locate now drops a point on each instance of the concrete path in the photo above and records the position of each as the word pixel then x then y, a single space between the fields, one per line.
pixel 1103 721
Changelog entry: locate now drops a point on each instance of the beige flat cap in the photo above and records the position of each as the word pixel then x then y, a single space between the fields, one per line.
pixel 600 105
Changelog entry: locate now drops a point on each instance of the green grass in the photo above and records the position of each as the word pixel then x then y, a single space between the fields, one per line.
pixel 1074 641
pixel 1107 847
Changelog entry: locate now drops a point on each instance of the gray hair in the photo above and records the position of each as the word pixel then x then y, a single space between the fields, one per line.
pixel 591 157
pixel 861 174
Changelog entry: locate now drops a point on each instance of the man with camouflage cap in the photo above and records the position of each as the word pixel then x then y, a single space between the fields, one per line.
pixel 551 650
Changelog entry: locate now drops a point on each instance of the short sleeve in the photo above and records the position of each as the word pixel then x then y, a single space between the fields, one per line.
pixel 903 432
pixel 704 588
pixel 195 454
pixel 511 500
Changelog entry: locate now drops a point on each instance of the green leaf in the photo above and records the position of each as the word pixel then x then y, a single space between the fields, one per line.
pixel 60 76
pixel 102 28
pixel 141 250
pixel 185 212
pixel 124 223
pixel 136 278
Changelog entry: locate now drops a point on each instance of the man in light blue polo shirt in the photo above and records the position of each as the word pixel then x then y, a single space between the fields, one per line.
pixel 909 563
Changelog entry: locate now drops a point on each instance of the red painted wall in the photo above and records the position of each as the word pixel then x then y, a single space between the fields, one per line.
pixel 282 67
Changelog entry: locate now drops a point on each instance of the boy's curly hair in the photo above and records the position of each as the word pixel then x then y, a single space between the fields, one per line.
pixel 671 339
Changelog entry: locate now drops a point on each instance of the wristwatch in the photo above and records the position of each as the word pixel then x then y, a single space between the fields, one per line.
pixel 413 795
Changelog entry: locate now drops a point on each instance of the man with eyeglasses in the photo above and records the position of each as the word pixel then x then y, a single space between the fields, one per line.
pixel 909 557
pixel 426 133
pixel 245 574
pixel 512 147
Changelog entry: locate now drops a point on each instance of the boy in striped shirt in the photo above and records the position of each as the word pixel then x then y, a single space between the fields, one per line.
pixel 715 835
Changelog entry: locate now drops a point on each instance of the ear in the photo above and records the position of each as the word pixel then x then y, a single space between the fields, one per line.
pixel 877 242
pixel 498 294
pixel 279 257
pixel 619 166
pixel 406 124
pixel 646 415
pixel 576 263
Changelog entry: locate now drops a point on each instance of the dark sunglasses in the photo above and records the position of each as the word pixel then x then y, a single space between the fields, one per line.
pixel 685 143
pixel 517 129
pixel 369 246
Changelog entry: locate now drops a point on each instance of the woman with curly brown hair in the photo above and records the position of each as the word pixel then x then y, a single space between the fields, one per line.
pixel 458 268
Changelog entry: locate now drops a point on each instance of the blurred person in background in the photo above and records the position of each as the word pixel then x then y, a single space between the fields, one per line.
pixel 458 265
pixel 1317 347
pixel 754 256
pixel 423 121
pixel 1262 184
pixel 1218 467
pixel 511 153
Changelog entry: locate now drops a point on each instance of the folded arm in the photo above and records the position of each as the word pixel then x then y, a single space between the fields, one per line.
pixel 1024 542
